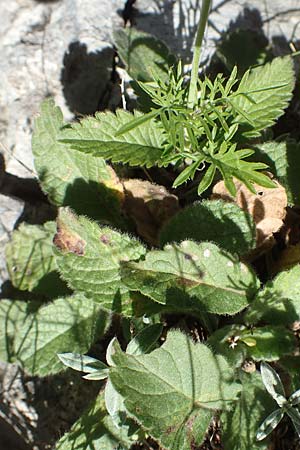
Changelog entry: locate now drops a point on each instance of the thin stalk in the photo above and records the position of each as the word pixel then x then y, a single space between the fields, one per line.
pixel 192 98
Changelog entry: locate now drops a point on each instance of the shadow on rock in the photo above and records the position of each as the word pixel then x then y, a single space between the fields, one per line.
pixel 86 78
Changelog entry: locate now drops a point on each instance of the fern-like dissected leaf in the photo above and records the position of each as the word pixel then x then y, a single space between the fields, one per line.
pixel 140 146
pixel 263 94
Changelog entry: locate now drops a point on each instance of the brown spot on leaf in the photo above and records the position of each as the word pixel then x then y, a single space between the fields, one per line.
pixel 185 282
pixel 69 241
pixel 105 239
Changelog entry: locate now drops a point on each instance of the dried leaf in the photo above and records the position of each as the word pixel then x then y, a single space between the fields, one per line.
pixel 150 206
pixel 267 207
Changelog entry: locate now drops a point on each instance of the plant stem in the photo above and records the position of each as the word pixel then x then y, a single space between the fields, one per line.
pixel 197 52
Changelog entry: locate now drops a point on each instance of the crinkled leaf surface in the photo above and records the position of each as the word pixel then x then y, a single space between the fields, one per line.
pixel 221 222
pixel 141 146
pixel 268 343
pixel 67 323
pixel 31 262
pixel 71 178
pixel 268 90
pixel 173 391
pixel 95 430
pixel 283 158
pixel 89 258
pixel 193 276
pixel 241 423
pixel 143 54
pixel 279 301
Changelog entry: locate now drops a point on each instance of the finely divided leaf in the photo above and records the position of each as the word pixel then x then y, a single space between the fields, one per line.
pixel 193 277
pixel 67 323
pixel 88 257
pixel 71 178
pixel 141 146
pixel 221 222
pixel 31 262
pixel 143 54
pixel 173 391
pixel 263 94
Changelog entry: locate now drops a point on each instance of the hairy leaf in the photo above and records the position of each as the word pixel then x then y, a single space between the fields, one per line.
pixel 263 94
pixel 95 430
pixel 279 301
pixel 221 222
pixel 67 323
pixel 71 178
pixel 141 146
pixel 89 258
pixel 31 262
pixel 173 391
pixel 283 158
pixel 193 277
pixel 143 54
pixel 241 423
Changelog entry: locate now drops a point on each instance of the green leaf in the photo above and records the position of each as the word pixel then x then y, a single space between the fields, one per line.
pixel 271 343
pixel 145 340
pixel 294 415
pixel 221 222
pixel 82 363
pixel 71 178
pixel 173 391
pixel 241 423
pixel 88 257
pixel 193 277
pixel 279 301
pixel 143 54
pixel 67 323
pixel 283 158
pixel 263 94
pixel 141 146
pixel 273 383
pixel 31 262
pixel 269 424
pixel 95 430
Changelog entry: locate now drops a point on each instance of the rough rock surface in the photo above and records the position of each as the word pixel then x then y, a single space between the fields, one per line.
pixel 63 48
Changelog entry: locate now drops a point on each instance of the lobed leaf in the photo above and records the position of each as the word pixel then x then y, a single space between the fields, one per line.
pixel 173 391
pixel 193 277
pixel 88 257
pixel 263 94
pixel 140 146
pixel 220 222
pixel 71 322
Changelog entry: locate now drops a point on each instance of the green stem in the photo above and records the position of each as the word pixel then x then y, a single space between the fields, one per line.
pixel 197 52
